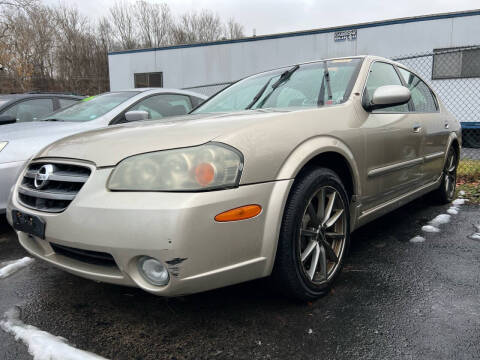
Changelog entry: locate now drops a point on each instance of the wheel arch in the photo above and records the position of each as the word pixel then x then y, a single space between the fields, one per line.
pixel 453 141
pixel 324 151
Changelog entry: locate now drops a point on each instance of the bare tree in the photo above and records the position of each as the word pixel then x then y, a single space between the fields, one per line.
pixel 124 24
pixel 57 48
pixel 197 27
pixel 233 30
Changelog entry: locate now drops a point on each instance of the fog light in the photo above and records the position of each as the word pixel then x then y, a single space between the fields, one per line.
pixel 153 271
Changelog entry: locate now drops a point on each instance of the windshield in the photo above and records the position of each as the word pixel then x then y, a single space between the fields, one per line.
pixel 304 86
pixel 92 109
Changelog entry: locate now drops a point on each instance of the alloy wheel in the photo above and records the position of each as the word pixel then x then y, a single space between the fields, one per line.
pixel 450 173
pixel 322 235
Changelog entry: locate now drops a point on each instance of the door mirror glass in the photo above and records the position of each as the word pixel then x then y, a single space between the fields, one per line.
pixel 7 119
pixel 389 95
pixel 136 115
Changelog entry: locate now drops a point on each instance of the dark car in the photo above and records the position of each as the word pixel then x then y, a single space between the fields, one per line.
pixel 30 106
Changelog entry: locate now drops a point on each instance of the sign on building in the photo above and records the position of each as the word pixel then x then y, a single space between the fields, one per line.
pixel 345 35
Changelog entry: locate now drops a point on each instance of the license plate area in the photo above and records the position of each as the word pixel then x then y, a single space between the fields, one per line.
pixel 29 224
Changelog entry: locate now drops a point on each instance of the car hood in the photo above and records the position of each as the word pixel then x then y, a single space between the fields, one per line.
pixel 26 139
pixel 108 146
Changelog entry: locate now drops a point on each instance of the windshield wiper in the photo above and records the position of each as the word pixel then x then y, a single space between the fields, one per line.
pixel 259 94
pixel 52 120
pixel 326 79
pixel 283 78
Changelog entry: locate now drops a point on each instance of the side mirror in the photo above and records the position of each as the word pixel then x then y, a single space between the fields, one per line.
pixel 136 115
pixel 7 119
pixel 389 95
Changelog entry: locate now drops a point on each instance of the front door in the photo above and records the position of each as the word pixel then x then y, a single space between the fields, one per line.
pixel 393 148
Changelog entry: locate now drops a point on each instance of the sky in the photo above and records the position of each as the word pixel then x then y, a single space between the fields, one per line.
pixel 274 16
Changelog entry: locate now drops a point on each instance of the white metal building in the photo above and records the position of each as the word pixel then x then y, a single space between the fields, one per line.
pixel 197 65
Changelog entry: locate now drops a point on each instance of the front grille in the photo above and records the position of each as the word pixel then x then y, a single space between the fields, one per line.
pixel 87 256
pixel 54 194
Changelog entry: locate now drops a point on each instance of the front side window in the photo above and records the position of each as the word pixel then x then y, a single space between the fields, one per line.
pixel 422 98
pixel 164 105
pixel 92 109
pixel 299 86
pixel 382 74
pixel 30 110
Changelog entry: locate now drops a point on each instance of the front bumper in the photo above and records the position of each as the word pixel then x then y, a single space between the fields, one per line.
pixel 8 175
pixel 176 228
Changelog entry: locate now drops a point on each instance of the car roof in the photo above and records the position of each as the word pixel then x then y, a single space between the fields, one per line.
pixel 163 91
pixel 37 95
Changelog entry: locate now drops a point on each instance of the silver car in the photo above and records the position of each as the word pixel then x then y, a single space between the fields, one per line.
pixel 20 141
pixel 267 178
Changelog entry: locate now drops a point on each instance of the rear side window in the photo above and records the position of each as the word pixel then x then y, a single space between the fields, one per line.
pixel 30 110
pixel 382 74
pixel 422 98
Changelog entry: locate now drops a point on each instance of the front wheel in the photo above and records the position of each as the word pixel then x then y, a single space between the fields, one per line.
pixel 315 235
pixel 446 192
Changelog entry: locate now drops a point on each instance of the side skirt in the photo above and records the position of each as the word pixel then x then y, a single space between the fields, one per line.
pixel 371 214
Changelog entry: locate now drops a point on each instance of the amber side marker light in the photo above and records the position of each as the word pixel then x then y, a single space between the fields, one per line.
pixel 240 213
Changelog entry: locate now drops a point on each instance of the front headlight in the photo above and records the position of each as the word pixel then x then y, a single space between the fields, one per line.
pixel 3 144
pixel 205 167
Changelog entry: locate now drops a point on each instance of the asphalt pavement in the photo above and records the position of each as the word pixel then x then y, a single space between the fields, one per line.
pixel 394 300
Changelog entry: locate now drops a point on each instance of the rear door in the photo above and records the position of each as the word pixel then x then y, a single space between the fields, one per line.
pixel 434 124
pixel 393 143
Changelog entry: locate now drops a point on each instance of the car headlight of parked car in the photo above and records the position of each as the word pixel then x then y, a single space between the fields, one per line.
pixel 3 144
pixel 199 168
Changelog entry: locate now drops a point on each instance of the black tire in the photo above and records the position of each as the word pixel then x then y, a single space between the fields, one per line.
pixel 289 270
pixel 446 192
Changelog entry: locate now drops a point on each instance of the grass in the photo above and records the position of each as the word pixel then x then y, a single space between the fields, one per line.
pixel 468 179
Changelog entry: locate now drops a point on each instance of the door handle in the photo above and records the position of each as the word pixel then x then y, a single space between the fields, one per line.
pixel 417 128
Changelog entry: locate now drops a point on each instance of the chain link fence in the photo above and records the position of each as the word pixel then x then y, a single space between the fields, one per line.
pixel 78 85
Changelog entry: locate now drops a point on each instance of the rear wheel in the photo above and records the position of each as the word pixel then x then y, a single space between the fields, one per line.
pixel 446 192
pixel 314 237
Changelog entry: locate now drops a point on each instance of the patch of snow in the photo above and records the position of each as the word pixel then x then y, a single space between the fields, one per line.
pixel 42 345
pixel 310 331
pixel 430 229
pixel 461 193
pixel 14 266
pixel 475 236
pixel 440 219
pixel 459 201
pixel 417 239
pixel 453 210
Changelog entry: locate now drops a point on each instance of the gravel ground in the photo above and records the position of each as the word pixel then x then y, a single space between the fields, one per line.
pixel 394 299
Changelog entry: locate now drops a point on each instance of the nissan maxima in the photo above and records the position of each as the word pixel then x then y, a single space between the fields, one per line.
pixel 267 178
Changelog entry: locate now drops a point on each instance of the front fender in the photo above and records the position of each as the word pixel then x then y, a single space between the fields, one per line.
pixel 312 147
